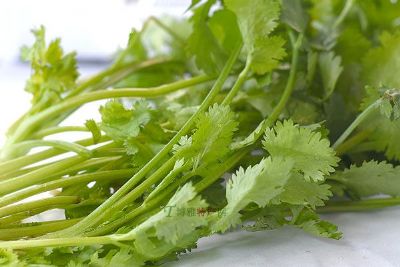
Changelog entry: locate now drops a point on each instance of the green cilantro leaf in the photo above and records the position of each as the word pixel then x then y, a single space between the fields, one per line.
pixel 120 123
pixel 257 19
pixel 300 192
pixel 211 141
pixel 9 258
pixel 312 156
pixel 168 230
pixel 310 222
pixel 122 257
pixel 371 178
pixel 53 73
pixel 209 55
pixel 259 184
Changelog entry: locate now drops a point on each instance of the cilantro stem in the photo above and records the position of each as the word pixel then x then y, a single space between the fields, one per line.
pixel 360 118
pixel 59 129
pixel 223 168
pixel 64 182
pixel 36 229
pixel 10 220
pixel 239 82
pixel 37 176
pixel 107 81
pixel 14 164
pixel 34 121
pixel 129 68
pixel 62 145
pixel 92 218
pixel 52 202
pixel 290 83
pixel 343 13
pixel 359 205
pixel 139 190
pixel 100 160
pixel 59 242
pixel 351 142
pixel 91 82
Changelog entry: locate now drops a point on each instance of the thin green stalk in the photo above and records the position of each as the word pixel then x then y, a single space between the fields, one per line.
pixel 101 155
pixel 343 13
pixel 23 161
pixel 109 81
pixel 59 129
pixel 137 191
pixel 131 67
pixel 93 81
pixel 129 217
pixel 47 202
pixel 59 242
pixel 239 82
pixel 34 121
pixel 290 83
pixel 351 142
pixel 102 158
pixel 62 145
pixel 117 93
pixel 165 182
pixel 37 176
pixel 19 172
pixel 11 220
pixel 115 163
pixel 37 229
pixel 369 110
pixel 90 220
pixel 95 163
pixel 64 182
pixel 224 167
pixel 360 205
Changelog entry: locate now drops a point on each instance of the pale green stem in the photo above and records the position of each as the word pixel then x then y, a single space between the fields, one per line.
pixel 343 13
pixel 17 163
pixel 59 129
pixel 52 202
pixel 37 176
pixel 64 182
pixel 239 82
pixel 369 110
pixel 62 145
pixel 34 121
pixel 37 229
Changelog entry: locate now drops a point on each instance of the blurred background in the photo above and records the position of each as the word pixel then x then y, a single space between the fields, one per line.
pixel 95 29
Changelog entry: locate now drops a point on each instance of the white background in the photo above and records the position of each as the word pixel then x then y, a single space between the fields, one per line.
pixel 95 28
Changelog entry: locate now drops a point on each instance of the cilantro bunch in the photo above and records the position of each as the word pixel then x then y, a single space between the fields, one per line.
pixel 220 121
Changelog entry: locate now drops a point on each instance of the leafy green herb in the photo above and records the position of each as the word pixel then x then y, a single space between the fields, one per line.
pixel 213 122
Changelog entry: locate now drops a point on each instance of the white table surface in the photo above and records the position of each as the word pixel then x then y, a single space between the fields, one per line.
pixel 370 238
